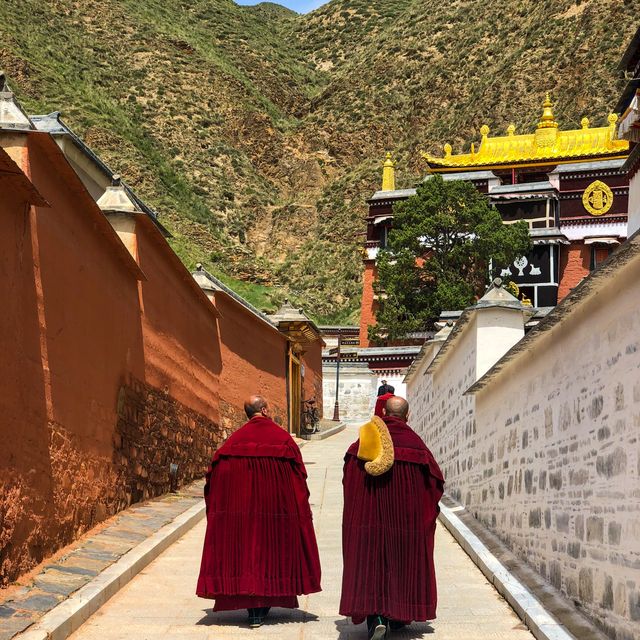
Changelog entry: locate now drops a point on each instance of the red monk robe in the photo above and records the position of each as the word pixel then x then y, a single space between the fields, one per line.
pixel 260 547
pixel 388 532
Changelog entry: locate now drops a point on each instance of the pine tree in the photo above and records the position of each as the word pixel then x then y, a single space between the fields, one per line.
pixel 441 247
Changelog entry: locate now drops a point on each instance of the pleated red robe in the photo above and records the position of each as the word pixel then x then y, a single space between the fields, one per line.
pixel 260 547
pixel 388 530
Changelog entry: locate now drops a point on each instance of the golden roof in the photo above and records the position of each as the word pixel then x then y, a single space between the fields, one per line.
pixel 547 144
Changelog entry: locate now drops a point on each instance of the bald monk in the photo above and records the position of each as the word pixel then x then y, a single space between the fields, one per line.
pixel 388 529
pixel 260 548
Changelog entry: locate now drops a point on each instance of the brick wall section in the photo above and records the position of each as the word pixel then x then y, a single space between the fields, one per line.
pixel 549 456
pixel 153 431
pixel 575 261
pixel 368 304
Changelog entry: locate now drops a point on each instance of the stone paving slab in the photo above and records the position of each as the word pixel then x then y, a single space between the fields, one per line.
pixel 88 557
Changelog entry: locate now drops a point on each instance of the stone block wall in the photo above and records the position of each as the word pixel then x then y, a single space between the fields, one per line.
pixel 546 454
pixel 558 451
pixel 153 432
pixel 440 413
pixel 357 392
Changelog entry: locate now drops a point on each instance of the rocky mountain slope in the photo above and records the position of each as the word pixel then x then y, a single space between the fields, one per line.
pixel 258 134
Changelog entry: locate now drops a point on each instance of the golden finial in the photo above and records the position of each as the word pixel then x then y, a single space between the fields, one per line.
pixel 612 118
pixel 585 122
pixel 447 150
pixel 547 119
pixel 511 129
pixel 484 130
pixel 388 174
pixel 473 149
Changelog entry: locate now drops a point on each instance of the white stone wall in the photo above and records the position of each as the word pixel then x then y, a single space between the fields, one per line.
pixel 357 391
pixel 439 413
pixel 547 455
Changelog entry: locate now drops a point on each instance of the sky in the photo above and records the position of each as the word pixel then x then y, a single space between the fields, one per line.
pixel 301 6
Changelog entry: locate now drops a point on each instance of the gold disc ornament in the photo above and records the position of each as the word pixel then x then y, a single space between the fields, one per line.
pixel 597 198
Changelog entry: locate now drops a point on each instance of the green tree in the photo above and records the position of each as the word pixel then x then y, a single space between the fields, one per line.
pixel 438 255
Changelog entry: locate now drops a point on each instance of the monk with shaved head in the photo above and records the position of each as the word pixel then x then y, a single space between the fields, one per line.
pixel 260 548
pixel 388 526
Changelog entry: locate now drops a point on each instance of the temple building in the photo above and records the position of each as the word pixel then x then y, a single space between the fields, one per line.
pixel 629 125
pixel 568 185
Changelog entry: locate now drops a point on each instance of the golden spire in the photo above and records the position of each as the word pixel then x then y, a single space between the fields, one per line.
pixel 584 123
pixel 547 120
pixel 388 174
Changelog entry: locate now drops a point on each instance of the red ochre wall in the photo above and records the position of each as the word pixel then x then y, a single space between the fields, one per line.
pixel 575 260
pixel 368 305
pixel 254 358
pixel 312 382
pixel 105 380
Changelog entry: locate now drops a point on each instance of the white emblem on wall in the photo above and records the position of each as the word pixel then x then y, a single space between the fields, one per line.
pixel 520 264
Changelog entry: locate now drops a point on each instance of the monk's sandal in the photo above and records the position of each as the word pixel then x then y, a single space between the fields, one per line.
pixel 256 618
pixel 378 628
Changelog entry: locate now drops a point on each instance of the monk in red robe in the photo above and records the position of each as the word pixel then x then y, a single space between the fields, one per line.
pixel 381 401
pixel 260 548
pixel 388 530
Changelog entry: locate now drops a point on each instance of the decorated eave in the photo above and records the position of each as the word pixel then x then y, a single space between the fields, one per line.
pixel 295 324
pixel 546 145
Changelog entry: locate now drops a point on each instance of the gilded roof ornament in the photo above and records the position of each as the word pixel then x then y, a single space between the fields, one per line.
pixel 547 120
pixel 447 150
pixel 546 144
pixel 388 174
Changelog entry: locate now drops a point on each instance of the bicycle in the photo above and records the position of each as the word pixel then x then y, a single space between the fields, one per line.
pixel 310 422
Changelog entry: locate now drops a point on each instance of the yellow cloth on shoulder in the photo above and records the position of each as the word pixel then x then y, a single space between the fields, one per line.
pixel 376 447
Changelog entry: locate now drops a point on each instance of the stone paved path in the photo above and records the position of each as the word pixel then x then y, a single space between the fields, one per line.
pixel 160 602
pixel 81 561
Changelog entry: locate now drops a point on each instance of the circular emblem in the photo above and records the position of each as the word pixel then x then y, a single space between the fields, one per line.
pixel 597 198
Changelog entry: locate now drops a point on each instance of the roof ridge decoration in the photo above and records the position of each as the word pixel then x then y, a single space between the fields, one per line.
pixel 12 115
pixel 116 199
pixel 547 144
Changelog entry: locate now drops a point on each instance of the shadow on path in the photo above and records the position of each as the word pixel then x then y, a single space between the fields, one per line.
pixel 348 631
pixel 238 618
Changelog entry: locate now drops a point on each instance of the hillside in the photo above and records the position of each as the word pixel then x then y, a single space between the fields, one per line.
pixel 257 133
